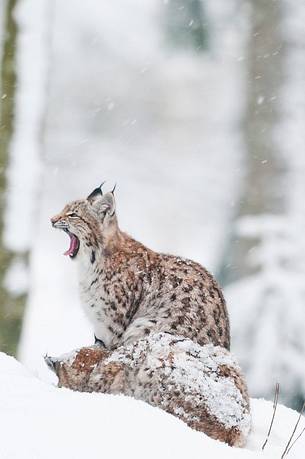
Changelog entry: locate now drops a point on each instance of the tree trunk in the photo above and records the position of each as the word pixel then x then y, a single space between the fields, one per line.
pixel 264 170
pixel 11 308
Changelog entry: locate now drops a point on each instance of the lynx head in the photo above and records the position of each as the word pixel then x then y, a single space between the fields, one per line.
pixel 88 222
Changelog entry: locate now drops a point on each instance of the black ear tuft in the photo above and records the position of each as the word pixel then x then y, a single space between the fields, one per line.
pixel 95 193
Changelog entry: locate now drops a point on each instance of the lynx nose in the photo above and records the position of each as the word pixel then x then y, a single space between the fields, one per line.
pixel 54 220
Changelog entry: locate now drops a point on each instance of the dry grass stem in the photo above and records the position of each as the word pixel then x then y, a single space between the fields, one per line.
pixel 288 447
pixel 275 402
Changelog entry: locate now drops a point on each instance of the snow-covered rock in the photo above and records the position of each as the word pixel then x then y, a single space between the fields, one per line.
pixel 40 421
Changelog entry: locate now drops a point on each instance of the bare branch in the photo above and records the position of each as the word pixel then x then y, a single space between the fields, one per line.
pixel 293 432
pixel 275 401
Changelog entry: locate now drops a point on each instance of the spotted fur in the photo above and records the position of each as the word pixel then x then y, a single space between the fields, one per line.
pixel 129 291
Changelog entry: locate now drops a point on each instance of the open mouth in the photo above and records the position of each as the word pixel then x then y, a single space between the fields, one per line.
pixel 74 245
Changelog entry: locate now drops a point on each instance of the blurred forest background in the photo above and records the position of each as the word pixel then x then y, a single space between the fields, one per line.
pixel 196 108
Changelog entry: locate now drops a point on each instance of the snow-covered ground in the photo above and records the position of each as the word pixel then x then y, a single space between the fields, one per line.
pixel 40 421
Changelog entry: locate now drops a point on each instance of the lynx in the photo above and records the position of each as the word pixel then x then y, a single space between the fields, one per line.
pixel 129 291
pixel 201 385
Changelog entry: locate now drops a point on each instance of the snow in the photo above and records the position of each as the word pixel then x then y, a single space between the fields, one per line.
pixel 39 420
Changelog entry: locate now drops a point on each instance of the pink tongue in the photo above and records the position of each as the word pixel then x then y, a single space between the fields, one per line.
pixel 73 245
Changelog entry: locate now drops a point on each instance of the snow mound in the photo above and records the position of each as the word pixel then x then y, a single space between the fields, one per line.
pixel 41 421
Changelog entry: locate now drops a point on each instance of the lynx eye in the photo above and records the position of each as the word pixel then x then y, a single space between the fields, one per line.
pixel 72 215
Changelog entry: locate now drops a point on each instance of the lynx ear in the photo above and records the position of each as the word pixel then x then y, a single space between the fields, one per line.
pixel 105 204
pixel 96 193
